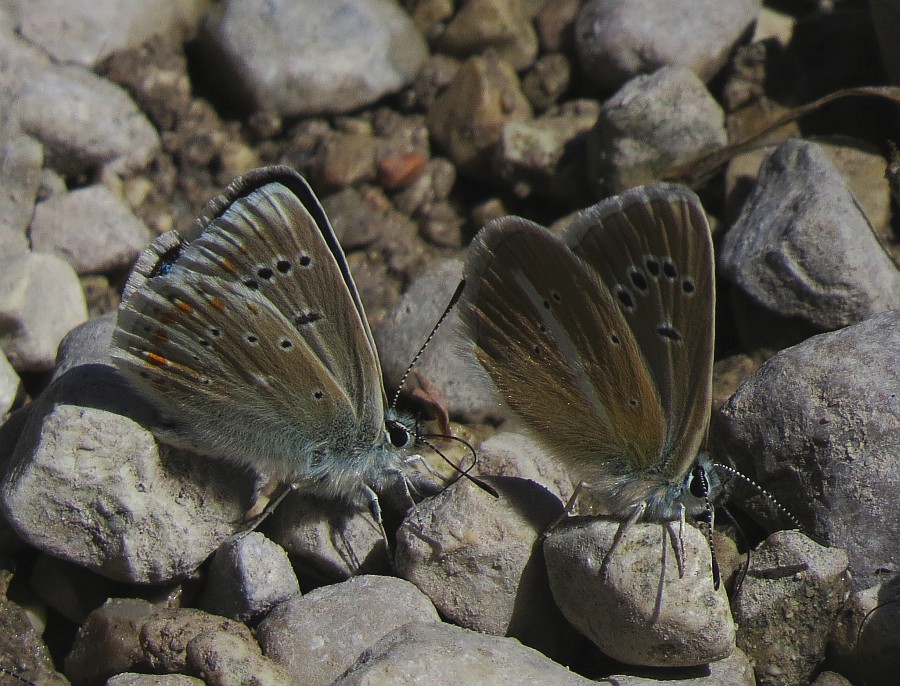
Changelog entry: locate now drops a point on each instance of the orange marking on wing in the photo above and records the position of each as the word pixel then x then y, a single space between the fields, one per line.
pixel 155 360
pixel 167 320
pixel 217 303
pixel 183 306
pixel 253 307
pixel 161 336
pixel 227 265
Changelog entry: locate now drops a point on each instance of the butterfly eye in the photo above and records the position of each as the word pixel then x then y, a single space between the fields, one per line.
pixel 398 434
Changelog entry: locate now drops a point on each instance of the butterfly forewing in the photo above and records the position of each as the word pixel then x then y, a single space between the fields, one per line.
pixel 263 293
pixel 558 349
pixel 651 247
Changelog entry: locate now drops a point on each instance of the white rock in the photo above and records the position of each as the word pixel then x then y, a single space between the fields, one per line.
pixel 618 40
pixel 10 386
pixel 93 488
pixel 21 158
pixel 787 605
pixel 40 300
pixel 248 575
pixel 319 635
pixel 298 57
pixel 650 124
pixel 445 655
pixel 478 558
pixel 802 248
pixel 86 31
pixel 639 610
pixel 90 228
pixel 84 121
pixel 818 427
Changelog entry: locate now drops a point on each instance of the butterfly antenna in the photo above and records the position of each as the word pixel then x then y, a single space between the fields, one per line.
pixel 455 299
pixel 750 482
pixel 708 518
pixel 464 473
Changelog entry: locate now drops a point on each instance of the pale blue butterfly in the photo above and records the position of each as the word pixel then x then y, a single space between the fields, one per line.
pixel 601 342
pixel 251 340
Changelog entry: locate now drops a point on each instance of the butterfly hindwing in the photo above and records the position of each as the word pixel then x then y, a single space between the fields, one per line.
pixel 256 321
pixel 558 349
pixel 652 248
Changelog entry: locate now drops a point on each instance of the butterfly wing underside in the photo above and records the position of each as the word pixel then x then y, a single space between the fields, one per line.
pixel 256 322
pixel 555 344
pixel 652 249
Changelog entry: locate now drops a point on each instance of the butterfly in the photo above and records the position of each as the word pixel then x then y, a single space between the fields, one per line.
pixel 251 340
pixel 601 342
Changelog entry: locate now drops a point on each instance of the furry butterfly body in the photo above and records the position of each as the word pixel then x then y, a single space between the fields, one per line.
pixel 601 342
pixel 251 340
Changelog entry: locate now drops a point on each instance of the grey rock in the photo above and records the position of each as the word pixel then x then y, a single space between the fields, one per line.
pixel 478 558
pixel 72 591
pixel 309 635
pixel 547 81
pixel 307 57
pixel 223 658
pixel 134 679
pixel 91 486
pixel 863 641
pixel 555 22
pixel 803 249
pixel 834 679
pixel 86 32
pixel 86 344
pixel 818 427
pixel 649 125
pixel 516 454
pixel 631 602
pixel 166 634
pixel 327 540
pixel 617 41
pixel 248 575
pixel 90 228
pixel 446 655
pixel 545 156
pixel 10 386
pixel 23 649
pixel 790 598
pixel 108 643
pixel 21 158
pixel 466 120
pixel 734 670
pixel 447 362
pixel 84 122
pixel 501 25
pixel 40 301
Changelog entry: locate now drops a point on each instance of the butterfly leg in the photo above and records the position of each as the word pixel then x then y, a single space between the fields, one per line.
pixel 567 510
pixel 375 509
pixel 620 533
pixel 678 541
pixel 264 503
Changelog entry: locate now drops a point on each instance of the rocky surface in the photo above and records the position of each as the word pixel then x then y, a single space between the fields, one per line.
pixel 126 561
